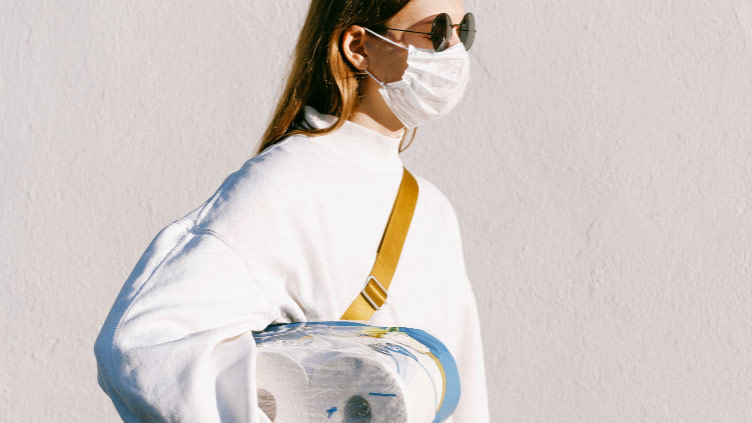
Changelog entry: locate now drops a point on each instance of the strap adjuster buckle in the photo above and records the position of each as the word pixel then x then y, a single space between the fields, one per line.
pixel 382 294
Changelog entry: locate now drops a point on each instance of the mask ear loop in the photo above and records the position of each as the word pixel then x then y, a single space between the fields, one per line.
pixel 385 39
pixel 374 78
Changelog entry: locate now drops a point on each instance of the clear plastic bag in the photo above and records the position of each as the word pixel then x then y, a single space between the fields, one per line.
pixel 343 371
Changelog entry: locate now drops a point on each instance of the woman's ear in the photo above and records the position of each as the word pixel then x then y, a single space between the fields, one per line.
pixel 354 47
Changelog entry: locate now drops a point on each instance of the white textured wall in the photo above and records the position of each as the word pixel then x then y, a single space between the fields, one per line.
pixel 600 166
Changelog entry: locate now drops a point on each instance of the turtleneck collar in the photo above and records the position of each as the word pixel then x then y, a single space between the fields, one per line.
pixel 355 141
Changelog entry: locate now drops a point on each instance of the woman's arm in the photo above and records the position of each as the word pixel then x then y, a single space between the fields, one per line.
pixel 177 345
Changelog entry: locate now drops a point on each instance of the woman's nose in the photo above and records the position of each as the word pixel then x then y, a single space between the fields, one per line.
pixel 455 36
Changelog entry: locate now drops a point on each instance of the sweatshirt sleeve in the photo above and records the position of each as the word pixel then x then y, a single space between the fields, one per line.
pixel 177 344
pixel 473 405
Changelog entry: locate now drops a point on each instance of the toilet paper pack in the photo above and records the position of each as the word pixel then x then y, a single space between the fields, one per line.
pixel 344 371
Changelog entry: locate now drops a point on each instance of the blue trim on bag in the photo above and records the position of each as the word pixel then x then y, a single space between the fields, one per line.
pixel 438 349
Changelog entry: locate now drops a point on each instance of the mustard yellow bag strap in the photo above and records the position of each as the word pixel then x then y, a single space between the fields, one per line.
pixel 373 295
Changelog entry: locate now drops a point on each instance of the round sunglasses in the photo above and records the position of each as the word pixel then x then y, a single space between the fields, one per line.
pixel 441 31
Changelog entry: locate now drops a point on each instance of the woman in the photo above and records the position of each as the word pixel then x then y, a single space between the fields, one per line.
pixel 292 235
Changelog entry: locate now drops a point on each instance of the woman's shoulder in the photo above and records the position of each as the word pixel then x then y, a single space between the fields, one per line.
pixel 263 183
pixel 434 199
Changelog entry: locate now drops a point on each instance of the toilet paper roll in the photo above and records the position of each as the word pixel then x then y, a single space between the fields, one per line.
pixel 378 388
pixel 282 384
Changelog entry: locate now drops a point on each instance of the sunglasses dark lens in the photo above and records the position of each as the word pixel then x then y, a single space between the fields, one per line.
pixel 467 30
pixel 440 34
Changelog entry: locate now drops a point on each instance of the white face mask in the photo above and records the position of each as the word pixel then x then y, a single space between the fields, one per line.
pixel 433 83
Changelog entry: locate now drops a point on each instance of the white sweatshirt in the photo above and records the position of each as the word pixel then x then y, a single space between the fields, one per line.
pixel 290 236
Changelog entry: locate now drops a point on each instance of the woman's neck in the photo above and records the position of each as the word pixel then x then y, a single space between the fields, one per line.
pixel 376 116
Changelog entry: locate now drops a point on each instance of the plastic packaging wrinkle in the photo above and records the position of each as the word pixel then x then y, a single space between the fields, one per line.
pixel 343 372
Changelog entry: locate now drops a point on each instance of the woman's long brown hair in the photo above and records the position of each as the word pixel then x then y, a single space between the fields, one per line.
pixel 321 76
